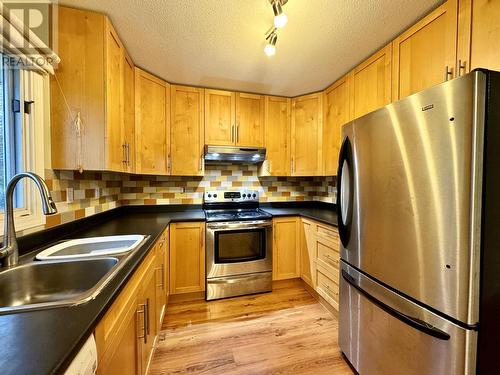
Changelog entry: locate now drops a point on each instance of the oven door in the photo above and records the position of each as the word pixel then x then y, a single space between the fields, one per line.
pixel 238 248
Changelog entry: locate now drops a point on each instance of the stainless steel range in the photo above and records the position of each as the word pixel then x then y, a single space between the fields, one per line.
pixel 239 244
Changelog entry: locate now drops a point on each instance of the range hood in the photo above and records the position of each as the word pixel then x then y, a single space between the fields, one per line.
pixel 240 155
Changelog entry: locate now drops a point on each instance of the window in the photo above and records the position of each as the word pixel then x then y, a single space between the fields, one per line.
pixel 21 141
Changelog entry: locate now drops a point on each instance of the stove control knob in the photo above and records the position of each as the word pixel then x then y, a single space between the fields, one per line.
pixel 210 195
pixel 244 195
pixel 255 195
pixel 215 195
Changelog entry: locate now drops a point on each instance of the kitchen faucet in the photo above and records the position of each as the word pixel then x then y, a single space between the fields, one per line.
pixel 9 253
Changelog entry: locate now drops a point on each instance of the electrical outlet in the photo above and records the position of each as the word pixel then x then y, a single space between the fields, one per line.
pixel 70 196
pixel 97 193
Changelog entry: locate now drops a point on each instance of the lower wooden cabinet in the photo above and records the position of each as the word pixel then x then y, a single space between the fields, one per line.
pixel 307 254
pixel 126 334
pixel 161 274
pixel 187 257
pixel 286 254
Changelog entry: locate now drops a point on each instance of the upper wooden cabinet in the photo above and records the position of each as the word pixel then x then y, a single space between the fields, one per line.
pixel 336 114
pixel 220 115
pixel 128 130
pixel 306 135
pixel 187 132
pixel 234 119
pixel 425 55
pixel 479 33
pixel 370 83
pixel 87 95
pixel 249 120
pixel 277 136
pixel 152 119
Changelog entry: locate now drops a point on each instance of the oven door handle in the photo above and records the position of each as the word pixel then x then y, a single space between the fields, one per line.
pixel 246 226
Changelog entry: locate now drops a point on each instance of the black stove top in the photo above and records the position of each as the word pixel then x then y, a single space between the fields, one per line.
pixel 236 214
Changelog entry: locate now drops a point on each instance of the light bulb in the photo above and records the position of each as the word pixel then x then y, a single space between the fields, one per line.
pixel 270 50
pixel 280 20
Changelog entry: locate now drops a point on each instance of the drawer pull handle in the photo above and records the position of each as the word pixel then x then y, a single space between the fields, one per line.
pixel 142 311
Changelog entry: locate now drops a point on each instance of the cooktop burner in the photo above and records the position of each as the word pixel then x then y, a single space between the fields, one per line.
pixel 233 206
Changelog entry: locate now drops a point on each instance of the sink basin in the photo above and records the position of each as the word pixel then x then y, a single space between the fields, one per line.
pixel 92 247
pixel 39 285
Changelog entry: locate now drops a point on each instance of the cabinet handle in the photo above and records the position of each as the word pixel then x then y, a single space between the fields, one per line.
pixel 201 163
pixel 448 72
pixel 232 133
pixel 291 166
pixel 169 163
pixel 332 261
pixel 146 318
pixel 142 310
pixel 124 153
pixel 128 154
pixel 237 132
pixel 461 67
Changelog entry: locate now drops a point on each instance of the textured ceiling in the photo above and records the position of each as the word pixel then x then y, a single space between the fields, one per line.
pixel 219 43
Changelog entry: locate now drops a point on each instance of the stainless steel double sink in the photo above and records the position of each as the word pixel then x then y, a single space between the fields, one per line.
pixel 71 273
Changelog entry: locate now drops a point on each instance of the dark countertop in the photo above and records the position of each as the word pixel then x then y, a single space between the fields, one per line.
pixel 46 341
pixel 322 212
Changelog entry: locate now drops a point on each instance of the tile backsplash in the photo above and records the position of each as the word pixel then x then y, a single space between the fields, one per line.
pixel 95 192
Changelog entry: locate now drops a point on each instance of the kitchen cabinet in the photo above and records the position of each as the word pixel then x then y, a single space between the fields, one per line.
pixel 161 274
pixel 220 115
pixel 152 123
pixel 250 120
pixel 307 254
pixel 425 54
pixel 128 129
pixel 370 83
pixel 479 32
pixel 187 132
pixel 187 257
pixel 277 137
pixel 306 135
pixel 234 119
pixel 286 253
pixel 336 114
pixel 126 334
pixel 87 94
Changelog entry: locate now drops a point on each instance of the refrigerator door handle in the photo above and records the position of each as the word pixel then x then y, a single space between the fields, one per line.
pixel 416 323
pixel 345 196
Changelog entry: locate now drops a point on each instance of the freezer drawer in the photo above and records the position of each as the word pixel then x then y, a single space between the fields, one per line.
pixel 383 333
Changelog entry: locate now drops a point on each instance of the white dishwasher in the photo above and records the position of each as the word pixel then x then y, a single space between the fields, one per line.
pixel 85 362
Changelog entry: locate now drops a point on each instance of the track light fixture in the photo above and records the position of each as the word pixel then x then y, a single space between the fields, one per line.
pixel 272 38
pixel 280 20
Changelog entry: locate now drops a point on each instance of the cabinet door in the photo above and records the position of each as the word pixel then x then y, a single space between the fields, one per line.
pixel 129 114
pixel 306 135
pixel 370 83
pixel 160 283
pixel 286 254
pixel 166 269
pixel 425 54
pixel 307 255
pixel 336 114
pixel 485 34
pixel 250 120
pixel 220 118
pixel 187 131
pixel 114 105
pixel 148 306
pixel 277 136
pixel 152 114
pixel 187 257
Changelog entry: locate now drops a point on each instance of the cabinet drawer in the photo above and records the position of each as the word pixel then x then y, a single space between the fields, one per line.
pixel 327 287
pixel 328 256
pixel 329 233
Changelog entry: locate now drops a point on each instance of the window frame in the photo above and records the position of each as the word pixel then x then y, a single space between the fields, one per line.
pixel 31 88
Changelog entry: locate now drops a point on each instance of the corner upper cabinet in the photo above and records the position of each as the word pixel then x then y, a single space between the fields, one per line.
pixel 87 95
pixel 370 83
pixel 220 116
pixel 187 132
pixel 152 119
pixel 277 137
pixel 306 135
pixel 335 114
pixel 425 54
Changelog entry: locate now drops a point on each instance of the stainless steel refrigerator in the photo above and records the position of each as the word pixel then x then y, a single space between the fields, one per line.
pixel 419 224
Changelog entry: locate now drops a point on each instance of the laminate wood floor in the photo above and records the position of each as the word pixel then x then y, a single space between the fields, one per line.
pixel 283 332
